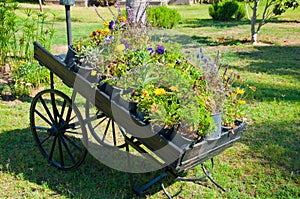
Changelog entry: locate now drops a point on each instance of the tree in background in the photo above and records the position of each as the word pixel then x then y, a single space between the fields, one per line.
pixel 41 5
pixel 272 9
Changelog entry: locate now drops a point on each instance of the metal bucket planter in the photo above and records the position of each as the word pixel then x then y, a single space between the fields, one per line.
pixel 216 133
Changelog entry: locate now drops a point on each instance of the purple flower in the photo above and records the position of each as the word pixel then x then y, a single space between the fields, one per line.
pixel 128 63
pixel 160 49
pixel 127 45
pixel 108 38
pixel 111 25
pixel 151 50
pixel 178 62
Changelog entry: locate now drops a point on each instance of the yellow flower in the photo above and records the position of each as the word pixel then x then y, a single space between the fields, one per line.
pixel 241 102
pixel 240 91
pixel 120 48
pixel 93 73
pixel 173 88
pixel 159 91
pixel 106 24
pixel 122 19
pixel 233 95
pixel 105 31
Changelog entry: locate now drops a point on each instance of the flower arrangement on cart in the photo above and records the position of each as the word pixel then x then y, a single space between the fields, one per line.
pixel 168 88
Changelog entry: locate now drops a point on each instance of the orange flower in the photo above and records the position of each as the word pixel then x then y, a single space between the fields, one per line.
pixel 159 91
pixel 99 31
pixel 93 34
pixel 105 31
pixel 145 93
pixel 122 19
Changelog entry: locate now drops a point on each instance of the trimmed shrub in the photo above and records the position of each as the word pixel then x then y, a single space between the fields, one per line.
pixel 241 12
pixel 163 17
pixel 223 11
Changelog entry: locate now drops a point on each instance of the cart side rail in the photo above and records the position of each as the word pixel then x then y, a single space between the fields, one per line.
pixel 54 64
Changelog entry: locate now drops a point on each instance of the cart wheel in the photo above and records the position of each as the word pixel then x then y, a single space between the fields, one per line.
pixel 103 128
pixel 58 129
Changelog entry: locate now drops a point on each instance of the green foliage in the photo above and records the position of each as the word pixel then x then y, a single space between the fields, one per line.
pixel 240 12
pixel 27 75
pixel 163 17
pixel 225 10
pixel 18 33
pixel 8 27
pixel 282 5
pixel 34 28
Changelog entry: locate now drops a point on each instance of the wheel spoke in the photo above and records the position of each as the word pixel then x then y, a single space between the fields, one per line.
pixel 97 116
pixel 43 117
pixel 69 115
pixel 42 142
pixel 54 108
pixel 52 148
pixel 61 116
pixel 61 156
pixel 99 123
pixel 74 132
pixel 114 133
pixel 68 150
pixel 72 143
pixel 46 109
pixel 106 129
pixel 41 128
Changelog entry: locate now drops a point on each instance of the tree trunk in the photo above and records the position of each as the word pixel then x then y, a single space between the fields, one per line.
pixel 41 5
pixel 135 11
pixel 254 33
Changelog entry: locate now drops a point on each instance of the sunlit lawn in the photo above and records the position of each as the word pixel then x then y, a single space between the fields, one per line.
pixel 264 164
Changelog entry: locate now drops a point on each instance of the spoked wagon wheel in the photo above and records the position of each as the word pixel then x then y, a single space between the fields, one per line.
pixel 58 129
pixel 103 128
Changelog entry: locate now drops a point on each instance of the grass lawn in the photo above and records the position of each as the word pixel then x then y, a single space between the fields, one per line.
pixel 264 164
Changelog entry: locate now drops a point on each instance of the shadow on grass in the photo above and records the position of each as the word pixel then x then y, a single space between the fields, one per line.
pixel 196 23
pixel 279 60
pixel 20 157
pixel 269 92
pixel 276 144
pixel 274 61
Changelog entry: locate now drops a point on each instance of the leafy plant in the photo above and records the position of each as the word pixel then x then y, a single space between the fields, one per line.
pixel 8 28
pixel 240 12
pixel 164 84
pixel 163 17
pixel 28 75
pixel 223 11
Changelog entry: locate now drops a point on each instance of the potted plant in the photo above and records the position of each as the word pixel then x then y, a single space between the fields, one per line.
pixel 167 90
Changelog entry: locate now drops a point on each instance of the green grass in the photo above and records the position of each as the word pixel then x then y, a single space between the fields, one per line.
pixel 264 164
